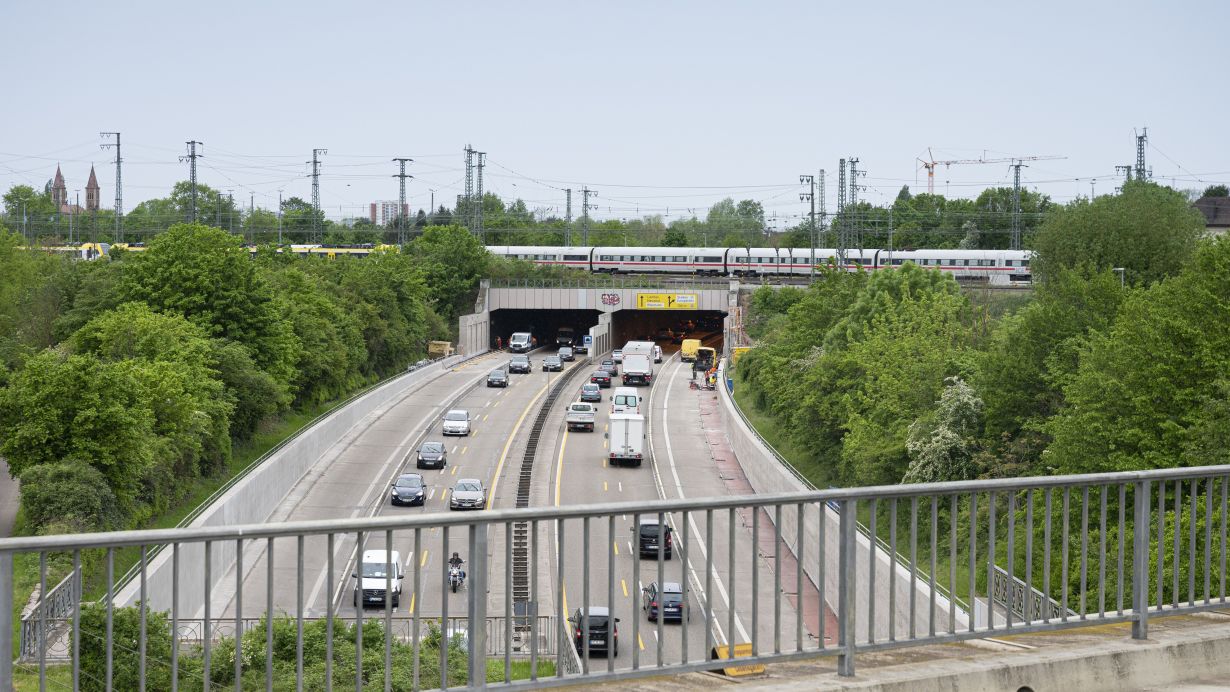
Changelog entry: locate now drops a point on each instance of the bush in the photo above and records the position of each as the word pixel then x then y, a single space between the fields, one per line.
pixel 70 495
pixel 125 649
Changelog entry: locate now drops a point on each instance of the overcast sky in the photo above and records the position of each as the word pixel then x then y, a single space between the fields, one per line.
pixel 662 107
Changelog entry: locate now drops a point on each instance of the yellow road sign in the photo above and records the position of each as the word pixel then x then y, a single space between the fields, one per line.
pixel 722 653
pixel 666 301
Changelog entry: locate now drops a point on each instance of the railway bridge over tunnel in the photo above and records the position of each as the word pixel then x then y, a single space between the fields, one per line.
pixel 611 313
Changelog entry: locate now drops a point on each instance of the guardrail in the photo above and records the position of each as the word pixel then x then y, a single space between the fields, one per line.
pixel 898 559
pixel 1170 528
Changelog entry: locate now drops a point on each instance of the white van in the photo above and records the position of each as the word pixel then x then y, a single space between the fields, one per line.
pixel 374 575
pixel 520 342
pixel 625 400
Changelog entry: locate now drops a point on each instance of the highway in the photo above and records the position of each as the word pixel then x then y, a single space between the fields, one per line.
pixel 571 468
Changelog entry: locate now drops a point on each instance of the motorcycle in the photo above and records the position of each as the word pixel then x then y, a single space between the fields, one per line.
pixel 456 578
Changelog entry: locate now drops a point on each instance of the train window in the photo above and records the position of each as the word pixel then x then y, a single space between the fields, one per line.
pixel 965 262
pixel 575 258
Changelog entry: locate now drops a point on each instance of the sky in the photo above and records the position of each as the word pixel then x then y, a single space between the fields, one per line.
pixel 661 107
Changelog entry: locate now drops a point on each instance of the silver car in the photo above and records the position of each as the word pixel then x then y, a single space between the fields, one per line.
pixel 468 494
pixel 457 422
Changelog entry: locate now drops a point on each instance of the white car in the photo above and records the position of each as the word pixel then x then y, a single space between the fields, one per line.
pixel 657 354
pixel 618 355
pixel 457 422
pixel 468 494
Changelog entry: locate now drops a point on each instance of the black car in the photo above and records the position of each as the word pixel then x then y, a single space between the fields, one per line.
pixel 591 392
pixel 408 489
pixel 599 630
pixel 497 378
pixel 667 601
pixel 431 456
pixel 647 538
pixel 552 363
pixel 566 353
pixel 602 378
pixel 519 363
pixel 609 366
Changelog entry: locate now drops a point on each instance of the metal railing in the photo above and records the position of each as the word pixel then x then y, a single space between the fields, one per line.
pixel 900 560
pixel 1118 547
pixel 48 620
pixel 677 282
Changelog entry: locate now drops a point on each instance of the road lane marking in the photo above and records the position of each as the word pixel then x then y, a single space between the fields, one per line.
pixel 621 486
pixel 485 417
pixel 463 449
pixel 559 466
pixel 640 641
pixel 499 467
pixel 604 488
pixel 629 547
pixel 454 473
pixel 411 611
pixel 454 449
pixel 431 494
pixel 423 562
pixel 624 584
pixel 409 558
pixel 615 545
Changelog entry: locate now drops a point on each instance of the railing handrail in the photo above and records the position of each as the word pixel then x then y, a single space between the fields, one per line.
pixel 881 544
pixel 500 516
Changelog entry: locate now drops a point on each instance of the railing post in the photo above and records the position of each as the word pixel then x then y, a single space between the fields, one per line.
pixel 6 620
pixel 845 589
pixel 1140 562
pixel 476 629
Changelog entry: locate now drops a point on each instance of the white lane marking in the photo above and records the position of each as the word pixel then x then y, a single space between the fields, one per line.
pixel 431 495
pixel 670 456
pixel 621 486
pixel 454 449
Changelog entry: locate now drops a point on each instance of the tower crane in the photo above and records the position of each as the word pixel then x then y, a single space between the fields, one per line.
pixel 932 163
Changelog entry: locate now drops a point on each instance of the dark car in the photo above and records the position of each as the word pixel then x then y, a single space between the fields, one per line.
pixel 599 630
pixel 408 489
pixel 497 378
pixel 602 378
pixel 566 353
pixel 647 538
pixel 552 363
pixel 591 392
pixel 431 456
pixel 519 363
pixel 609 366
pixel 667 600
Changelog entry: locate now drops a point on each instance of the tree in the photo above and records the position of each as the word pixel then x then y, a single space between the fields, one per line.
pixel 675 238
pixel 971 239
pixel 450 261
pixel 1210 191
pixel 1149 230
pixel 206 275
pixel 1148 389
pixel 23 199
pixel 68 497
pixel 942 444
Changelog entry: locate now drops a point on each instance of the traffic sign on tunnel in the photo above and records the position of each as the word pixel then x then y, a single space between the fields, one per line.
pixel 666 301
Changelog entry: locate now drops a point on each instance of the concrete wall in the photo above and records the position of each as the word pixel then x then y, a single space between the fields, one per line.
pixel 768 476
pixel 252 499
pixel 603 299
pixel 474 333
pixel 601 335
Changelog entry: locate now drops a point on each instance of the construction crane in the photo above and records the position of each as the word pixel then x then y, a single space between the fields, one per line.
pixel 932 163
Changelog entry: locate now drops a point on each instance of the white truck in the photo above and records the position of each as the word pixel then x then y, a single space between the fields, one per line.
pixel 627 439
pixel 580 416
pixel 638 362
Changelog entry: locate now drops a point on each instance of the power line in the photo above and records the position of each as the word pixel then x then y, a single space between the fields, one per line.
pixel 119 184
pixel 191 158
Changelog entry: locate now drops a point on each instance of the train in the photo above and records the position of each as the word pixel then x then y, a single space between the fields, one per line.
pixel 994 267
pixel 997 267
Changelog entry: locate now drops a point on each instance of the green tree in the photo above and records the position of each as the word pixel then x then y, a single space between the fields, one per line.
pixel 332 356
pixel 1210 191
pixel 1149 230
pixel 1148 388
pixel 450 260
pixel 23 199
pixel 68 497
pixel 205 275
pixel 942 444
pixel 675 238
pixel 124 657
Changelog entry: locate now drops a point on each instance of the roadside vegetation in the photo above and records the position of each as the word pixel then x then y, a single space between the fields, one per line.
pixel 1117 363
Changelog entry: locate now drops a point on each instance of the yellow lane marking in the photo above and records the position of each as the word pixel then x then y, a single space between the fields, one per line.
pixel 604 488
pixel 640 641
pixel 615 546
pixel 604 442
pixel 463 449
pixel 563 593
pixel 423 562
pixel 495 480
pixel 411 611
pixel 559 466
pixel 496 403
pixel 454 471
pixel 605 426
pixel 622 583
pixel 485 417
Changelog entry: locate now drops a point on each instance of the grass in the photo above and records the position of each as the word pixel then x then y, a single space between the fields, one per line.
pixel 520 669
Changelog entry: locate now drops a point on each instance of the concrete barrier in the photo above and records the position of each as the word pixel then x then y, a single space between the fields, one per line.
pixel 768 475
pixel 254 497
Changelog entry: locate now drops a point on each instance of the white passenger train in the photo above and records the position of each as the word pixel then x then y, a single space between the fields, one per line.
pixel 999 267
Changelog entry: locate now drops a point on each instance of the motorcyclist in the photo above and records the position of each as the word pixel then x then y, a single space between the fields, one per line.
pixel 456 562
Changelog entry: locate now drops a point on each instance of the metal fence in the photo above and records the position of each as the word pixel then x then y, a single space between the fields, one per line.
pixel 680 282
pixel 1107 548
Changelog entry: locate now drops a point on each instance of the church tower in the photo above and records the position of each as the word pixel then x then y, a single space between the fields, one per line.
pixel 91 192
pixel 59 193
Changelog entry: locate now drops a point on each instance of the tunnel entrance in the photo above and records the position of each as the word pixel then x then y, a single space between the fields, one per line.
pixel 663 326
pixel 542 324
